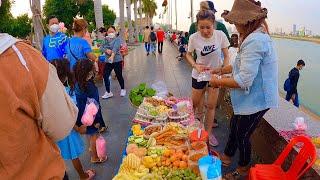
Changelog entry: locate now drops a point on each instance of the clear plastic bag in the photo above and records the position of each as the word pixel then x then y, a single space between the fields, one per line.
pixel 90 112
pixel 161 89
pixel 204 76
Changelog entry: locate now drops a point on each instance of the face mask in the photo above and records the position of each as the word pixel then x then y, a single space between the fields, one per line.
pixel 111 35
pixel 54 28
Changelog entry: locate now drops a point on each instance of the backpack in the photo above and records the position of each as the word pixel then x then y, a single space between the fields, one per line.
pixel 287 85
pixel 153 36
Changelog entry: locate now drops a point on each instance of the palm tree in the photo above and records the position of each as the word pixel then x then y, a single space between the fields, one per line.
pixel 98 16
pixel 37 22
pixel 135 18
pixel 130 31
pixel 121 21
pixel 140 13
pixel 149 9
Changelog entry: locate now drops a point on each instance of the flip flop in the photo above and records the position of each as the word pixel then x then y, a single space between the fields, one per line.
pixel 99 160
pixel 235 175
pixel 91 173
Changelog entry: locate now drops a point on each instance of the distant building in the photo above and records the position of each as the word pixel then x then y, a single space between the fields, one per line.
pixel 294 29
pixel 308 32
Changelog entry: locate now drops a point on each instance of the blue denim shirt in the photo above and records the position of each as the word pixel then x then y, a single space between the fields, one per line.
pixel 255 69
pixel 114 45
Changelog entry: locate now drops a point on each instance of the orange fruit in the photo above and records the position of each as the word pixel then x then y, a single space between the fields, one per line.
pixel 176 163
pixel 183 165
pixel 168 162
pixel 173 158
pixel 184 158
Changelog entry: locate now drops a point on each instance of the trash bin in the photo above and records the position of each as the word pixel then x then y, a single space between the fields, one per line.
pixel 140 38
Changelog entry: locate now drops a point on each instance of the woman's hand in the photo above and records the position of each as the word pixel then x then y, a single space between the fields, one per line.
pixel 214 82
pixel 200 67
pixel 108 51
pixel 216 71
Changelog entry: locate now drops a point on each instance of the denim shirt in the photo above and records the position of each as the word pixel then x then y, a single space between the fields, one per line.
pixel 114 45
pixel 255 69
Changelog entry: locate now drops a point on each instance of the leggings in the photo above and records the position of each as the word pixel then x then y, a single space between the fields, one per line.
pixel 241 128
pixel 117 67
pixel 160 46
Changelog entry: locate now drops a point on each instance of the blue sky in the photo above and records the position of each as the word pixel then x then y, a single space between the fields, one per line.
pixel 282 13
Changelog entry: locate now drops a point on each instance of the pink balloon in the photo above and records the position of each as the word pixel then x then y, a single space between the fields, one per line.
pixel 61 25
pixel 101 146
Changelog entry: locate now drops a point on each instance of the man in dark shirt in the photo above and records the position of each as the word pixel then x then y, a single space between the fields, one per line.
pixel 294 75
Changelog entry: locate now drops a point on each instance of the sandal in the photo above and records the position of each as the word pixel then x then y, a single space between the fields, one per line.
pixel 103 129
pixel 100 160
pixel 91 173
pixel 235 175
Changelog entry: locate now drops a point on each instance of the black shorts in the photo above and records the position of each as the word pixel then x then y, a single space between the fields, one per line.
pixel 199 85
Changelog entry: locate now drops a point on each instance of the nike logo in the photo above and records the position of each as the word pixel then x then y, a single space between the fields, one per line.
pixel 207 50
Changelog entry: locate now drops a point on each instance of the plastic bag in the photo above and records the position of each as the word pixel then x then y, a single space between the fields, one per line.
pixel 161 89
pixel 204 76
pixel 101 146
pixel 90 112
pixel 299 124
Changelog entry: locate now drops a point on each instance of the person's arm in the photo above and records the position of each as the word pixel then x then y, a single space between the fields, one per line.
pixel 88 51
pixel 223 70
pixel 190 59
pixel 115 49
pixel 251 57
pixel 294 77
pixel 226 56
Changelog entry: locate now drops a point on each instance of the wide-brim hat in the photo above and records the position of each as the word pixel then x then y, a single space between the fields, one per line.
pixel 244 11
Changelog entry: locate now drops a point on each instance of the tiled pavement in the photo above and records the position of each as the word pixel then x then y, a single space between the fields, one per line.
pixel 118 113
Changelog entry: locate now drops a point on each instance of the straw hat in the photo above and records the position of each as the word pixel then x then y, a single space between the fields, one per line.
pixel 244 11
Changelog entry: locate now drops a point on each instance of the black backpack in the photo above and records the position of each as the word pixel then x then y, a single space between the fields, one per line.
pixel 153 36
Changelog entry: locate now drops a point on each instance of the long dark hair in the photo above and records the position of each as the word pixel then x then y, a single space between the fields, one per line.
pixel 81 72
pixel 64 73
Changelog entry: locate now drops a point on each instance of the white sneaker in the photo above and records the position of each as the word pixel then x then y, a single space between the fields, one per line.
pixel 123 92
pixel 107 95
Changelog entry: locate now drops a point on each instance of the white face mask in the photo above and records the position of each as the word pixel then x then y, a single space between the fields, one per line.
pixel 54 28
pixel 111 35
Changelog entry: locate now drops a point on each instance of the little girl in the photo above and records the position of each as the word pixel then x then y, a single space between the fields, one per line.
pixel 84 89
pixel 72 146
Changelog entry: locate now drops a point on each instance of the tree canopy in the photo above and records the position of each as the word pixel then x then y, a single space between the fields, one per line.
pixel 17 27
pixel 66 10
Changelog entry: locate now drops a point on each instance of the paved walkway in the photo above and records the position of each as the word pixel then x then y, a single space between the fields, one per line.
pixel 118 112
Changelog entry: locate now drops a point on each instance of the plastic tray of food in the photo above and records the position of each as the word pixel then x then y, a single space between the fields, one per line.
pixel 174 115
pixel 152 129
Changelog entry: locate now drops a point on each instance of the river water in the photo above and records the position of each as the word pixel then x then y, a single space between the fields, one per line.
pixel 289 52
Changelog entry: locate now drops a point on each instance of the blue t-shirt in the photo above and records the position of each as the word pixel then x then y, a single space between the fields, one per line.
pixel 79 48
pixel 54 47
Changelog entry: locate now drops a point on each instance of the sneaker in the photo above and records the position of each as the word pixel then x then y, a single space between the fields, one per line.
pixel 213 140
pixel 123 92
pixel 107 95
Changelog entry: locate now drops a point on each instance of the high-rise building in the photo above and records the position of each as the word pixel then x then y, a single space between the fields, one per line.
pixel 294 29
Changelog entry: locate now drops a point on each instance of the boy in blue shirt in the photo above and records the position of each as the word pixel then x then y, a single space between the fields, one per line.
pixel 55 43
